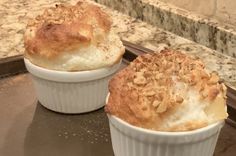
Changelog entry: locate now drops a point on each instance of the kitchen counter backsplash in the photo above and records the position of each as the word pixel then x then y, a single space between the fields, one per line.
pixel 206 31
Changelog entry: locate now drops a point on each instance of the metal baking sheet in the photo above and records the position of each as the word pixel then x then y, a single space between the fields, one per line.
pixel 29 129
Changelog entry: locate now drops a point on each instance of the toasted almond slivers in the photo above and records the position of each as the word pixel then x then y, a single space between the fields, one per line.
pixel 179 99
pixel 204 93
pixel 213 79
pixel 149 93
pixel 159 76
pixel 156 103
pixel 162 107
pixel 140 80
pixel 201 87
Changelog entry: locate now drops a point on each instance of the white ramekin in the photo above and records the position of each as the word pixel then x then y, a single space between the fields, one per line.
pixel 129 140
pixel 71 92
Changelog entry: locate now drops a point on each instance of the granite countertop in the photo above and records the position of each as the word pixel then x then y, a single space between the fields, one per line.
pixel 157 39
pixel 205 31
pixel 16 13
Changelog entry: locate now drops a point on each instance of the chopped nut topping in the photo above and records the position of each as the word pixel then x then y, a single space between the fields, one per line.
pixel 214 78
pixel 155 77
pixel 149 93
pixel 201 87
pixel 204 93
pixel 162 108
pixel 156 103
pixel 140 79
pixel 160 96
pixel 159 76
pixel 163 82
pixel 179 99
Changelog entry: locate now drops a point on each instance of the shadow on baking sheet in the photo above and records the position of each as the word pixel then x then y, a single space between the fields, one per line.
pixel 57 134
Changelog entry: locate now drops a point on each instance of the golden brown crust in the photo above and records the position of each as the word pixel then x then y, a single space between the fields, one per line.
pixel 66 28
pixel 144 93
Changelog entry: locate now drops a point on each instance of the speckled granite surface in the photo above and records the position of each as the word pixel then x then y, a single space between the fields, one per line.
pixel 156 39
pixel 207 32
pixel 15 14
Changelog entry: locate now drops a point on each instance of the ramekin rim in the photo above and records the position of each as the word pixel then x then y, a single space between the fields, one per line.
pixel 163 133
pixel 55 75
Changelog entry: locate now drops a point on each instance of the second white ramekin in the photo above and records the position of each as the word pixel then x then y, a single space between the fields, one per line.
pixel 129 140
pixel 71 92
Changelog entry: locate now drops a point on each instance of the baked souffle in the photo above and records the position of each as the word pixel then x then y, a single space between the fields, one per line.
pixel 72 38
pixel 167 91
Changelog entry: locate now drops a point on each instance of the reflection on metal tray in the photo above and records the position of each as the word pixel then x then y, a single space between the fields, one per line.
pixel 27 128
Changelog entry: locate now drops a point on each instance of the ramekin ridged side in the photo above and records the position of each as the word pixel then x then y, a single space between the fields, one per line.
pixel 128 140
pixel 71 97
pixel 71 92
